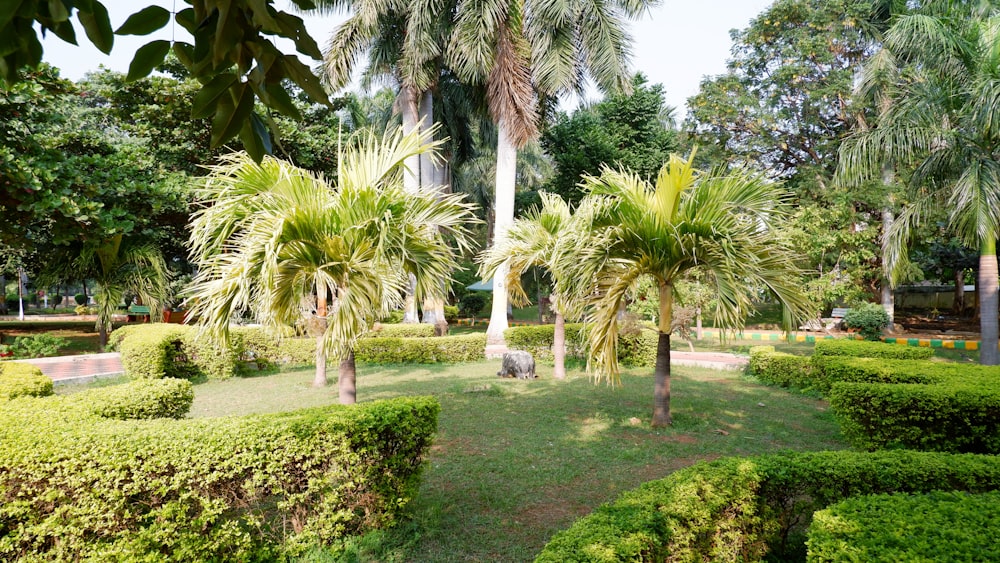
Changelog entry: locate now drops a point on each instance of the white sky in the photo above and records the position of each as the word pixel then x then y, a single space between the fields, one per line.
pixel 680 42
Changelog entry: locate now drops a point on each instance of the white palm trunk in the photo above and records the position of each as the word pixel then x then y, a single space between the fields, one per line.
pixel 504 208
pixel 407 104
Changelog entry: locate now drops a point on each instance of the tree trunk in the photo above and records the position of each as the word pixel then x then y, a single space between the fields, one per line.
pixel 427 168
pixel 888 300
pixel 347 380
pixel 559 346
pixel 319 380
pixel 504 208
pixel 410 312
pixel 407 105
pixel 661 374
pixel 989 303
pixel 698 331
pixel 958 306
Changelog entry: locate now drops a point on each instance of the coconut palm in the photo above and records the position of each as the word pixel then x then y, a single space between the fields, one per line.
pixel 523 49
pixel 282 245
pixel 121 265
pixel 534 241
pixel 722 223
pixel 936 83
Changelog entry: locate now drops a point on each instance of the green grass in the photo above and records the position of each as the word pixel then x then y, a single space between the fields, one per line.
pixel 516 461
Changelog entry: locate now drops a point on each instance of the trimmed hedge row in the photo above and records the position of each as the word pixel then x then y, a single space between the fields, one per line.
pixel 864 349
pixel 443 349
pixel 746 509
pixel 255 488
pixel 22 380
pixel 140 399
pixel 153 351
pixel 634 349
pixel 779 368
pixel 955 416
pixel 407 330
pixel 940 526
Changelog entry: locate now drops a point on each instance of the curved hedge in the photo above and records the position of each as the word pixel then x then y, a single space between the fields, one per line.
pixel 442 349
pixel 955 416
pixel 77 487
pixel 746 509
pixel 864 349
pixel 22 380
pixel 939 526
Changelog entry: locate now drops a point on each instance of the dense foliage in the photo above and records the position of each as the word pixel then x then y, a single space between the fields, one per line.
pixel 746 509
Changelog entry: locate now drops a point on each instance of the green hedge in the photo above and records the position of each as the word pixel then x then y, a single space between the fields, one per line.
pixel 863 349
pixel 962 415
pixel 634 349
pixel 121 333
pixel 254 488
pixel 22 380
pixel 746 509
pixel 778 368
pixel 939 526
pixel 152 351
pixel 444 349
pixel 140 399
pixel 407 330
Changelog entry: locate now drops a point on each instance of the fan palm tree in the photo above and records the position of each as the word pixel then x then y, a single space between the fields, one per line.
pixel 281 244
pixel 721 222
pixel 936 83
pixel 123 265
pixel 534 241
pixel 523 49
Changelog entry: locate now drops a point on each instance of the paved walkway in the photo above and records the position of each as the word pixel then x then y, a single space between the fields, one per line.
pixel 79 369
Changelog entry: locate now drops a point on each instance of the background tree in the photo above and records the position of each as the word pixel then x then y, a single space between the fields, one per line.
pixel 634 130
pixel 297 247
pixel 936 78
pixel 722 223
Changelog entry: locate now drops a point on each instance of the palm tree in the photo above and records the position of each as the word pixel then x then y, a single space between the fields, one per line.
pixel 281 244
pixel 523 49
pixel 936 82
pixel 123 265
pixel 722 223
pixel 534 240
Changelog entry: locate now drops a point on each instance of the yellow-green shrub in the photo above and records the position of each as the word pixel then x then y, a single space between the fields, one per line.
pixel 140 399
pixel 746 509
pixel 939 526
pixel 257 488
pixel 444 349
pixel 22 380
pixel 864 349
pixel 402 330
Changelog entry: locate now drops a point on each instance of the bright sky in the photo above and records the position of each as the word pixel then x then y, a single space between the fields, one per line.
pixel 679 43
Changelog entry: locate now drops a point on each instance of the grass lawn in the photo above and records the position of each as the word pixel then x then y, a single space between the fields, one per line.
pixel 516 461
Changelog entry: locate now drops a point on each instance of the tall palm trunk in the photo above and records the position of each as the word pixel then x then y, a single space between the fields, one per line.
pixel 958 305
pixel 989 302
pixel 319 380
pixel 661 373
pixel 347 380
pixel 559 346
pixel 408 105
pixel 504 208
pixel 888 299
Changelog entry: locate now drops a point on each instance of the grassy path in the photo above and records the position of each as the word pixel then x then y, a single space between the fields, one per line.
pixel 516 461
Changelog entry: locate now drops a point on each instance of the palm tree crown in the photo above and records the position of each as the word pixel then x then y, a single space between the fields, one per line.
pixel 722 222
pixel 278 242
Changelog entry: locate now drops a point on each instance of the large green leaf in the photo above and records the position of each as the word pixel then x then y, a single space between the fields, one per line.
pixel 256 138
pixel 64 30
pixel 145 21
pixel 147 58
pixel 207 98
pixel 58 11
pixel 97 24
pixel 8 13
pixel 229 118
pixel 301 75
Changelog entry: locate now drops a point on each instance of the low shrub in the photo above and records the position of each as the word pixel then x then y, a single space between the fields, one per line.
pixel 961 415
pixel 407 330
pixel 780 369
pixel 80 299
pixel 253 488
pixel 939 526
pixel 140 399
pixel 869 319
pixel 22 380
pixel 444 349
pixel 451 314
pixel 37 346
pixel 119 334
pixel 471 305
pixel 749 509
pixel 636 348
pixel 153 351
pixel 862 349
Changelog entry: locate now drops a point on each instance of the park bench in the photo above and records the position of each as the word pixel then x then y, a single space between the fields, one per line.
pixel 138 311
pixel 826 323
